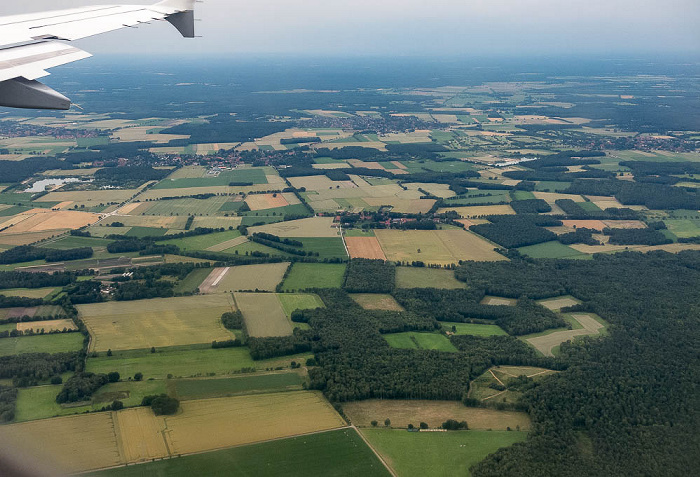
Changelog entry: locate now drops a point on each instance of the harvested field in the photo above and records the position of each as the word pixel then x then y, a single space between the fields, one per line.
pixel 157 322
pixel 312 227
pixel 371 301
pixel 588 224
pixel 42 220
pixel 497 300
pixel 552 197
pixel 146 221
pixel 414 277
pixel 246 277
pixel 47 326
pixel 91 197
pixel 556 304
pixel 140 435
pixel 263 314
pixel 270 201
pixel 441 247
pixel 546 343
pixel 68 444
pixel 217 423
pixel 364 247
pixel 433 413
pixel 479 210
pixel 128 208
pixel 625 224
pixel 402 206
pixel 216 222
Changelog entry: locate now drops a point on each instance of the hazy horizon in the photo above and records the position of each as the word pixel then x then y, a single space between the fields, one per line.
pixel 412 28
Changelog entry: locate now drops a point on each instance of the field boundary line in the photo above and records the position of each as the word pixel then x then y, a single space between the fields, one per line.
pixel 177 456
pixel 381 459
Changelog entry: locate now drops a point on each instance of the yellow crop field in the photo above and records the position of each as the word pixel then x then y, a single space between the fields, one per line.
pixel 140 435
pixel 434 413
pixel 14 239
pixel 68 444
pixel 51 325
pixel 216 423
pixel 266 201
pixel 313 227
pixel 44 220
pixel 373 301
pixel 157 322
pixel 479 210
pixel 435 246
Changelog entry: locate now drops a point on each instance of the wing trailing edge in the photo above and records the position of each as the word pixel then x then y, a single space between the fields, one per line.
pixel 28 45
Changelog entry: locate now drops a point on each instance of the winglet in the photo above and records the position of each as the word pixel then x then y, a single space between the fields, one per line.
pixel 183 19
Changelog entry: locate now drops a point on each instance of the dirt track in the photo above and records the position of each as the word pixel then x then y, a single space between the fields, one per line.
pixel 546 343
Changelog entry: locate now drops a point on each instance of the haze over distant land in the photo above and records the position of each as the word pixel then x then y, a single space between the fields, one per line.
pixel 414 27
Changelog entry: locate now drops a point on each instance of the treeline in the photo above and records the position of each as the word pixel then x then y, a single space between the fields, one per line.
pixel 636 237
pixel 580 235
pixel 8 398
pixel 598 417
pixel 35 280
pixel 653 196
pixel 369 276
pixel 531 206
pixel 512 231
pixel 29 253
pixel 574 211
pixel 463 306
pixel 31 368
pixel 81 386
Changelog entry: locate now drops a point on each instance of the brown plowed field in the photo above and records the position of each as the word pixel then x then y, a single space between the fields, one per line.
pixel 364 247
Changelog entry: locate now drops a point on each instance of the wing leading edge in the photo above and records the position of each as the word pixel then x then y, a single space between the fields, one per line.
pixel 31 44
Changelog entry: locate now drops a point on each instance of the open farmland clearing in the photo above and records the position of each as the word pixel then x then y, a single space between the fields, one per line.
pixel 590 326
pixel 556 304
pixel 497 300
pixel 157 322
pixel 370 301
pixel 434 413
pixel 443 454
pixel 188 389
pixel 297 301
pixel 263 277
pixel 441 247
pixel 217 423
pixel 312 227
pixel 364 247
pixel 263 314
pixel 331 453
pixel 47 326
pixel 314 275
pixel 475 211
pixel 415 340
pixel 47 343
pixel 199 360
pixel 421 277
pixel 474 329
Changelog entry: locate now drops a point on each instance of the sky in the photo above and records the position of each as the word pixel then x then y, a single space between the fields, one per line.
pixel 470 28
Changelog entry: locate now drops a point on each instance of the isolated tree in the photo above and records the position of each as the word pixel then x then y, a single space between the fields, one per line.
pixel 138 377
pixel 423 425
pixel 374 423
pixel 113 377
pixel 387 422
pixel 109 352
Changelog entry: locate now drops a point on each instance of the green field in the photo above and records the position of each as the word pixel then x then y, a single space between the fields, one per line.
pixel 54 343
pixel 40 402
pixel 475 198
pixel 314 275
pixel 329 454
pixel 146 232
pixel 438 454
pixel 293 301
pixel 522 195
pixel 414 277
pixel 684 228
pixel 551 250
pixel 255 176
pixel 202 242
pixel 182 362
pixel 192 280
pixel 186 207
pixel 209 388
pixel 68 242
pixel 474 329
pixel 414 340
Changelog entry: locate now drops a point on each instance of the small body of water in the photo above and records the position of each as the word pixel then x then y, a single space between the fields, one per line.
pixel 40 186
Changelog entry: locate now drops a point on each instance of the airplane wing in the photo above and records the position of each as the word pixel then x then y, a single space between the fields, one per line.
pixel 31 44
